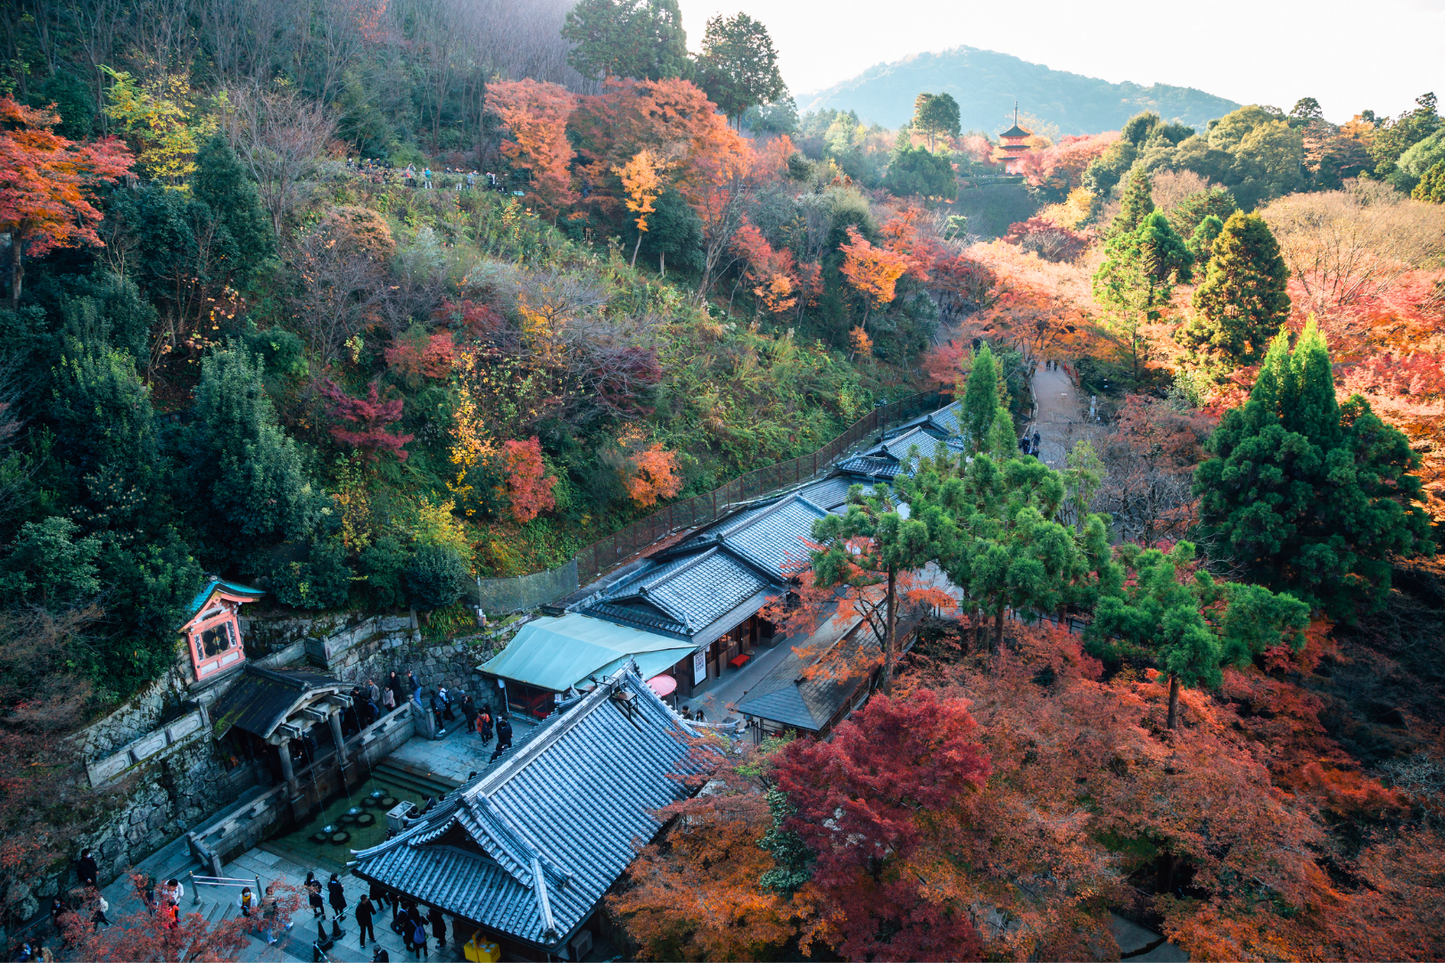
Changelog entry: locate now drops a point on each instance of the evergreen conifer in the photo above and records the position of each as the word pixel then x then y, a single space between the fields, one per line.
pixel 1243 300
pixel 1308 495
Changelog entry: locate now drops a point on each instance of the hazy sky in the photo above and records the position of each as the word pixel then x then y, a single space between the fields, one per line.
pixel 1349 54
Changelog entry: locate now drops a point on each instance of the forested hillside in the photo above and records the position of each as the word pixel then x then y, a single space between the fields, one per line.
pixel 362 300
pixel 987 83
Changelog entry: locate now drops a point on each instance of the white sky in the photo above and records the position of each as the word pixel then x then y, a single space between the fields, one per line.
pixel 1349 54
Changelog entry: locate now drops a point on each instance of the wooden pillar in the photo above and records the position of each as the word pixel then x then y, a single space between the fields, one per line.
pixel 287 771
pixel 335 719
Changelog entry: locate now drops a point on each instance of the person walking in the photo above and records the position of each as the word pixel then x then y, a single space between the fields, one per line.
pixel 419 942
pixel 393 686
pixel 438 926
pixel 58 910
pixel 373 691
pixel 97 919
pixel 86 869
pixel 484 725
pixel 337 897
pixel 363 921
pixel 313 896
pixel 388 700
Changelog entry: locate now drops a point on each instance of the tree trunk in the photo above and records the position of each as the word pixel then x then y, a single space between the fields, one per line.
pixel 1173 699
pixel 890 630
pixel 1164 880
pixel 662 263
pixel 997 629
pixel 17 269
pixel 633 263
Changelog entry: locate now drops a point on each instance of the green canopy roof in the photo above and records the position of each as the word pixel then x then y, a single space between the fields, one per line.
pixel 554 653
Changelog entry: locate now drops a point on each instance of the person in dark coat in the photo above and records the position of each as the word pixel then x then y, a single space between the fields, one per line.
pixel 337 896
pixel 363 921
pixel 313 895
pixel 469 711
pixel 504 733
pixel 86 869
pixel 438 926
pixel 380 956
pixel 397 687
pixel 419 943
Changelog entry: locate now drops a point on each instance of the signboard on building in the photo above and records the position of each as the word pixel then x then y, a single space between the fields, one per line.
pixel 699 666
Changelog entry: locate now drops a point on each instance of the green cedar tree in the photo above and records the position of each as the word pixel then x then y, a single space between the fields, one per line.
pixel 1307 495
pixel 1243 299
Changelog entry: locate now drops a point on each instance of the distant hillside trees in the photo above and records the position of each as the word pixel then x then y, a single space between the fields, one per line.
pixel 935 115
pixel 739 65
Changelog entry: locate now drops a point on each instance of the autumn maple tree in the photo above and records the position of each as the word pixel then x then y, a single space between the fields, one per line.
pixel 372 418
pixel 535 114
pixel 652 475
pixel 527 486
pixel 871 271
pixel 144 935
pixel 46 184
pixel 642 180
pixel 867 803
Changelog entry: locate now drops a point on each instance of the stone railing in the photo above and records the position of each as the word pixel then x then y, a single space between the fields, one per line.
pixel 111 767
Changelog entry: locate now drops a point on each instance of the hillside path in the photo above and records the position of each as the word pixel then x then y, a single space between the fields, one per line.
pixel 1062 416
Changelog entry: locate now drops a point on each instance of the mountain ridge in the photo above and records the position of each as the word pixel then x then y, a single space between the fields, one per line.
pixel 986 83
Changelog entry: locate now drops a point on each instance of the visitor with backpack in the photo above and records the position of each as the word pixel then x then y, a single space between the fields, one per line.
pixel 418 935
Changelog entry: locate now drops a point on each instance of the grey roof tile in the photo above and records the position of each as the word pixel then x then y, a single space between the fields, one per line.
pixel 576 799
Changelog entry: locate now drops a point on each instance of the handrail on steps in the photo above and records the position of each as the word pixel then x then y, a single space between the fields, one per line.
pixel 198 881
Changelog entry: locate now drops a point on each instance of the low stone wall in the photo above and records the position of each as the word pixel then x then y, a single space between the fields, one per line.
pixel 114 766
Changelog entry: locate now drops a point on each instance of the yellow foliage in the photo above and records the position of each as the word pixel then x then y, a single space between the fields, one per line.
pixel 164 121
pixel 434 523
pixel 1074 212
pixel 641 178
pixel 472 443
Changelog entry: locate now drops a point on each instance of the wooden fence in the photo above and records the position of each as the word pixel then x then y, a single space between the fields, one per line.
pixel 604 555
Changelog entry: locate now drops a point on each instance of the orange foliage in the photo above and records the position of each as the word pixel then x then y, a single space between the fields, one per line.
pixel 528 487
pixel 872 271
pixel 860 346
pixel 771 272
pixel 535 114
pixel 652 475
pixel 1045 308
pixel 46 182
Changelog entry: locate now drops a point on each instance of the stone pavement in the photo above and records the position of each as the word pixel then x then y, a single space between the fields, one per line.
pixel 1062 416
pixel 456 754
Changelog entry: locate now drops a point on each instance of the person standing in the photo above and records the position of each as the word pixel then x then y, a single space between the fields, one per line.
pixel 373 691
pixel 393 686
pixel 438 926
pixel 363 921
pixel 484 725
pixel 388 700
pixel 337 897
pixel 504 733
pixel 419 942
pixel 86 869
pixel 102 906
pixel 469 711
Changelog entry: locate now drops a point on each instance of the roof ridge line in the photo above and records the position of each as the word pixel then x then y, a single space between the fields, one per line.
pixel 490 782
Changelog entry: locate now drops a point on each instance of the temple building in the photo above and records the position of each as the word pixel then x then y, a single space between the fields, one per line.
pixel 526 850
pixel 1013 146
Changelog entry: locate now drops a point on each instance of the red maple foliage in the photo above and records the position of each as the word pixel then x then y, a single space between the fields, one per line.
pixel 528 487
pixel 864 802
pixel 417 355
pixel 1060 167
pixel 45 185
pixel 371 415
pixel 182 935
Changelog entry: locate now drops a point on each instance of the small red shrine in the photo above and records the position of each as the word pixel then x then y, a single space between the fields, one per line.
pixel 213 636
pixel 1014 147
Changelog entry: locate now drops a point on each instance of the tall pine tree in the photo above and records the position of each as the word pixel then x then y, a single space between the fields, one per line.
pixel 1138 276
pixel 1308 495
pixel 1138 203
pixel 1243 301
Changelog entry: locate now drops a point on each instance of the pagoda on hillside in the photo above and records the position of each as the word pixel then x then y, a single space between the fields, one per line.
pixel 1014 147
